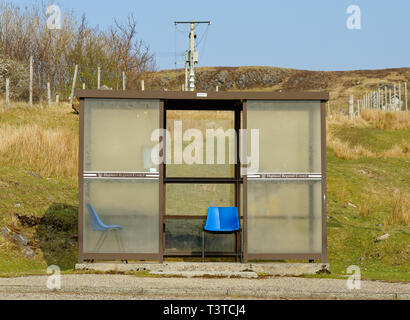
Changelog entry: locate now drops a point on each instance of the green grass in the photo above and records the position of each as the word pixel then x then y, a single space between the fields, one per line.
pixel 371 182
pixel 366 181
pixel 48 200
pixel 373 139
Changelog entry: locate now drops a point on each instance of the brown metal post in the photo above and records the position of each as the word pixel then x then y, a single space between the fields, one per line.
pixel 237 177
pixel 81 184
pixel 245 185
pixel 324 186
pixel 161 206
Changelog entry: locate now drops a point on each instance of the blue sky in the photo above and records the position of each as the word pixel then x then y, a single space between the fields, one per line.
pixel 286 33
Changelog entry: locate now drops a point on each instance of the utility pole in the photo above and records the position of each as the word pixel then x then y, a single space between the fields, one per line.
pixel 191 56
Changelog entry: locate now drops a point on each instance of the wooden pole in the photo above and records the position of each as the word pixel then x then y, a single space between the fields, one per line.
pixel 48 94
pixel 368 100
pixel 399 95
pixel 124 79
pixel 372 100
pixel 30 101
pixel 351 107
pixel 8 93
pixel 394 96
pixel 99 78
pixel 385 97
pixel 142 85
pixel 405 96
pixel 74 81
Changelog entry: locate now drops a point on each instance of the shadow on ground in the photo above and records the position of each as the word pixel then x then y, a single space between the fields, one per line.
pixel 56 235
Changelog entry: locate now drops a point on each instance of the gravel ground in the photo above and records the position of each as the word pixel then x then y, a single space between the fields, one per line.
pixel 91 286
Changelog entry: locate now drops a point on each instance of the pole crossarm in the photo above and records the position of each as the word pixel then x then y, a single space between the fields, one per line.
pixel 189 22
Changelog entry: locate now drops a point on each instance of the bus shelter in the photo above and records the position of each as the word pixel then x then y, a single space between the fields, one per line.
pixel 152 163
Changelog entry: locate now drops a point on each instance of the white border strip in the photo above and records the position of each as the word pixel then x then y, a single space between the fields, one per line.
pixel 121 175
pixel 282 176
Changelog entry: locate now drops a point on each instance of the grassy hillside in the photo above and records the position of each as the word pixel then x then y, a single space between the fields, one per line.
pixel 339 83
pixel 368 191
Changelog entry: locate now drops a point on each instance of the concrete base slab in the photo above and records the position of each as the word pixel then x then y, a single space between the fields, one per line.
pixel 206 274
pixel 218 269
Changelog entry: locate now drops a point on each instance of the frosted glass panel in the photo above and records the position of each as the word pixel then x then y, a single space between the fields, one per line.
pixel 195 199
pixel 289 135
pixel 131 204
pixel 186 235
pixel 284 217
pixel 219 125
pixel 118 134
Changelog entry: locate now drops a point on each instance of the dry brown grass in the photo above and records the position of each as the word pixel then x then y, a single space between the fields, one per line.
pixel 398 151
pixel 400 213
pixel 371 118
pixel 342 120
pixel 48 152
pixel 366 210
pixel 393 120
pixel 344 150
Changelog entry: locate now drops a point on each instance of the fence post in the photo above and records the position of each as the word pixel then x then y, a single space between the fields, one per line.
pixel 48 94
pixel 351 107
pixel 142 85
pixel 8 93
pixel 405 95
pixel 74 81
pixel 124 79
pixel 400 96
pixel 99 78
pixel 394 96
pixel 30 101
pixel 369 100
pixel 385 97
pixel 57 98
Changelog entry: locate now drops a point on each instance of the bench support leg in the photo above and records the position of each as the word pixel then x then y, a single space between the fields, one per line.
pixel 203 246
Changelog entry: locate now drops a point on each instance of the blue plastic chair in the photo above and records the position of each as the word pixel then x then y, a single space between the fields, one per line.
pixel 99 226
pixel 221 220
